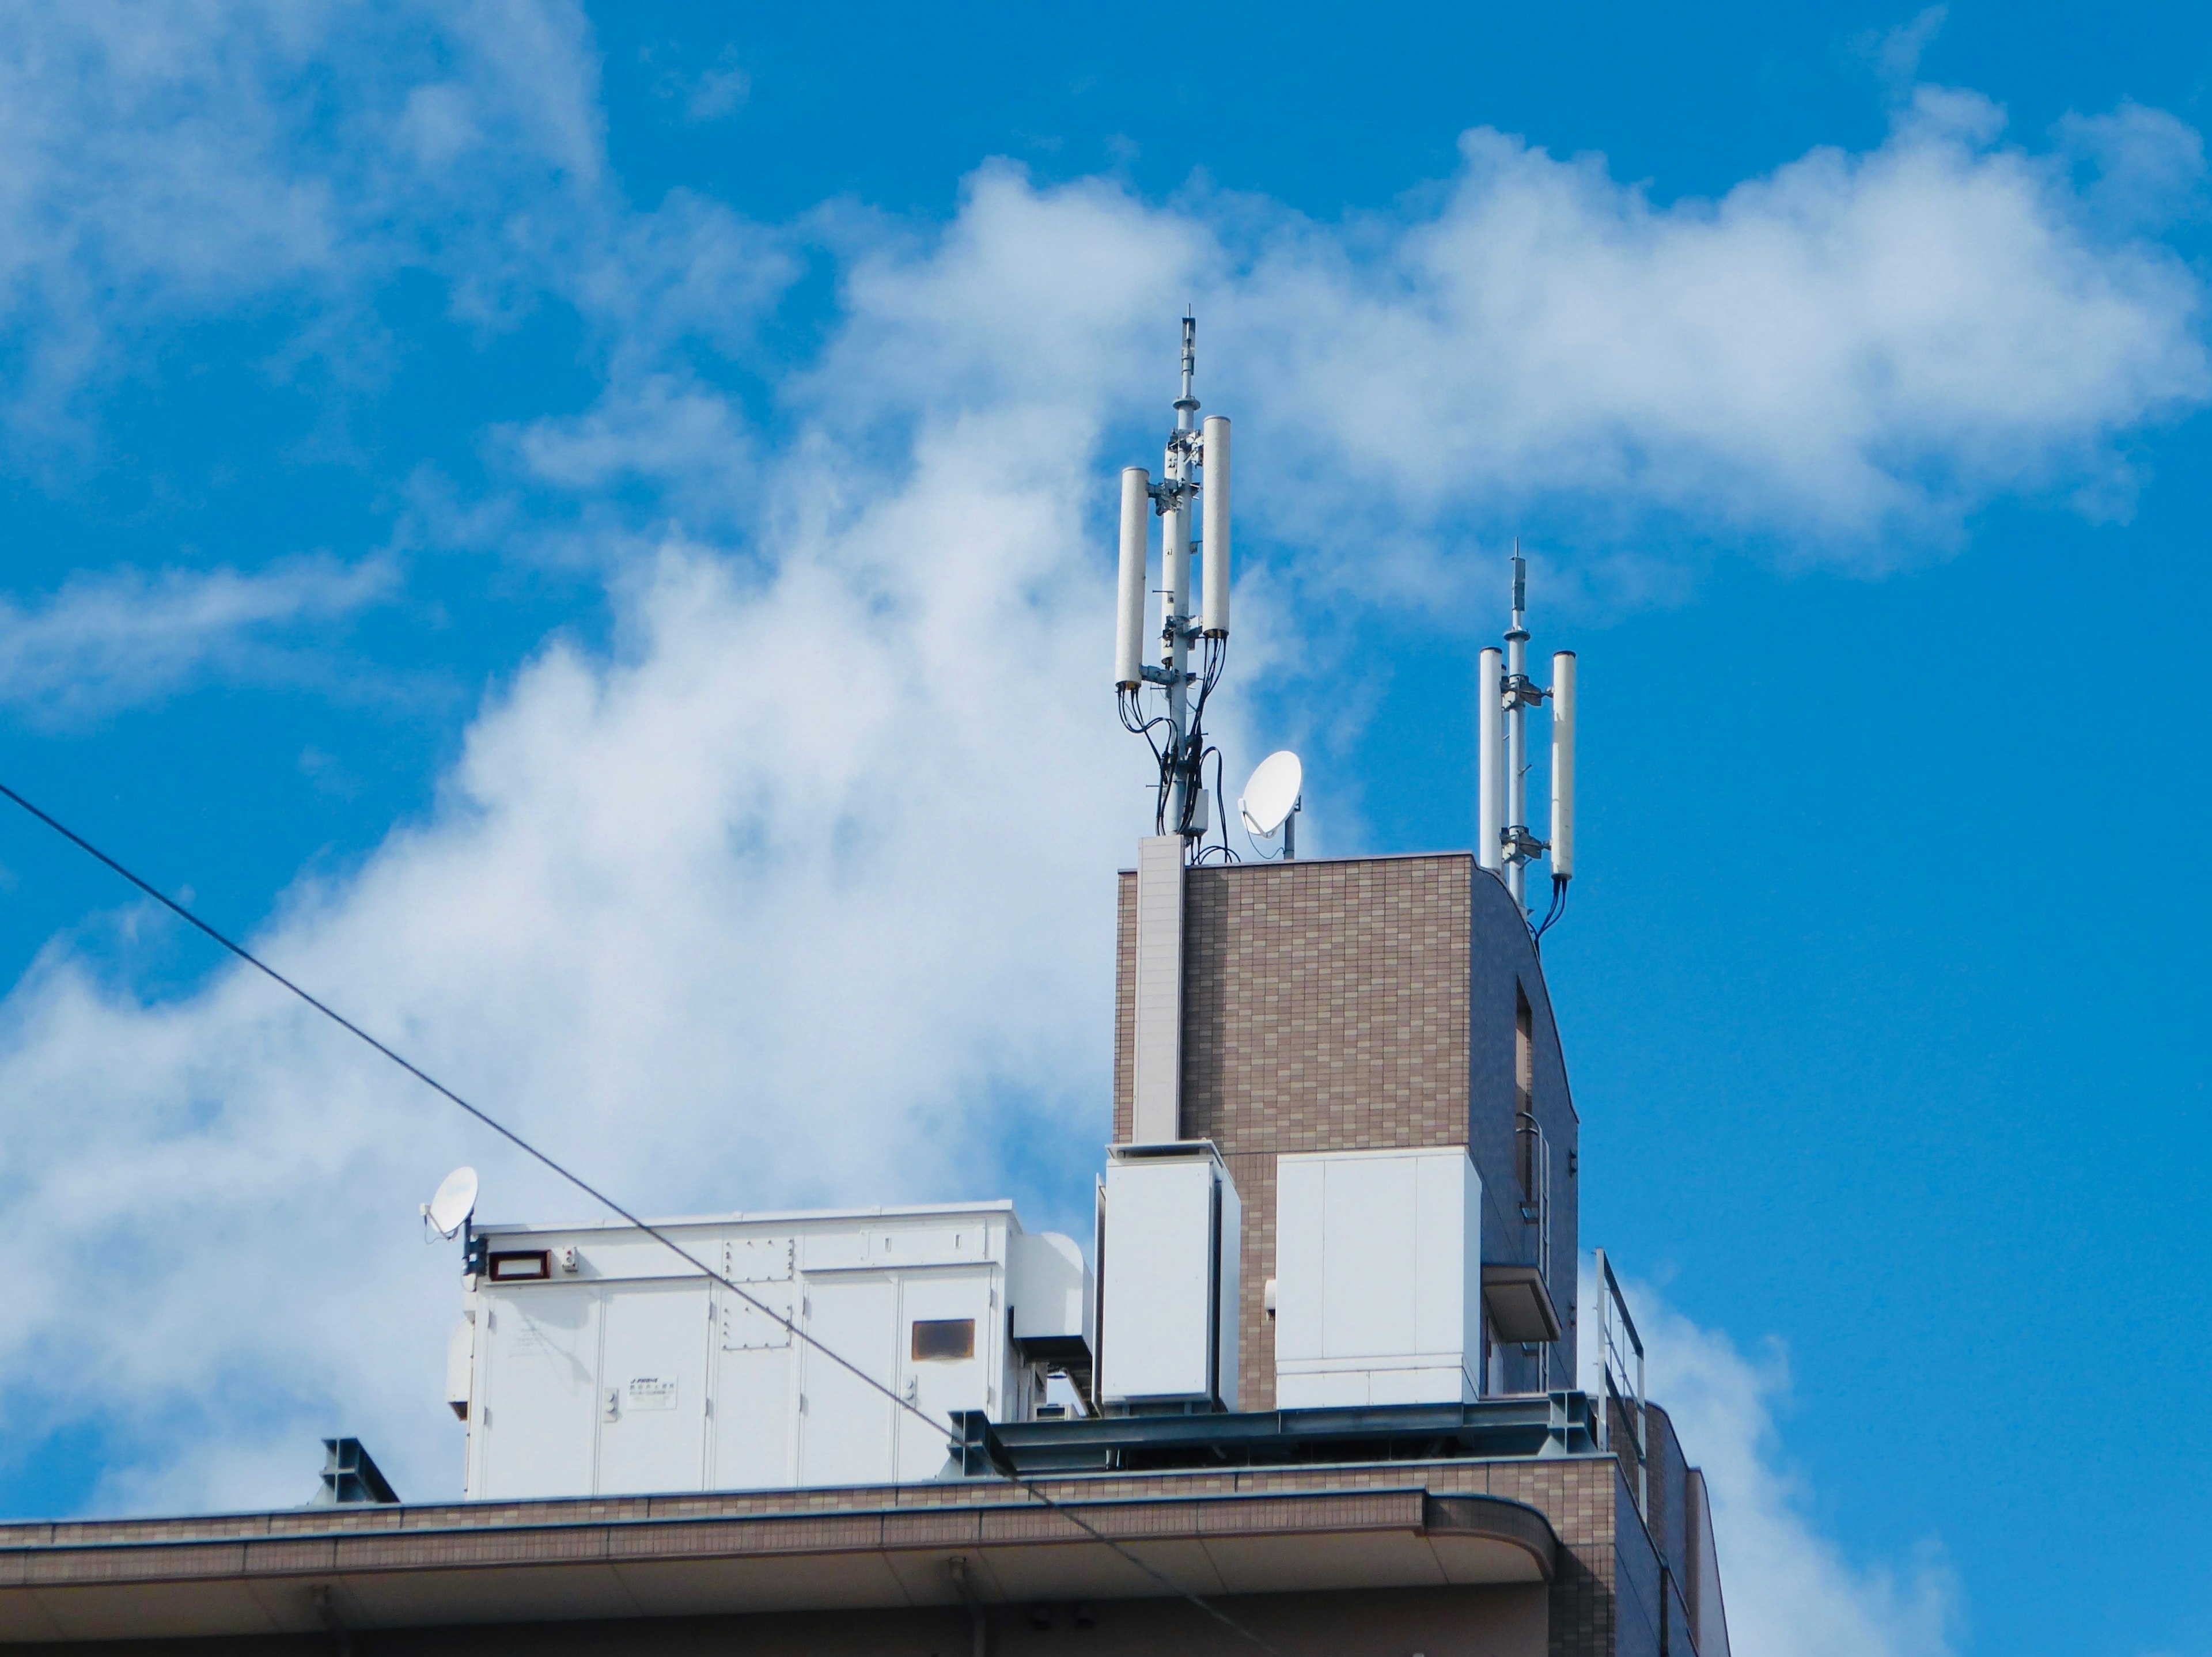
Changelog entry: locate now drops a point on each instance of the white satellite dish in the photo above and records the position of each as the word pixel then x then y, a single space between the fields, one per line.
pixel 449 1210
pixel 1272 795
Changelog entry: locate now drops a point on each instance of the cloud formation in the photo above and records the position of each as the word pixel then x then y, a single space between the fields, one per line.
pixel 1854 351
pixel 122 636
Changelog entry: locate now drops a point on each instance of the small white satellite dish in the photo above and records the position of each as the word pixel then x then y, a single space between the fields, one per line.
pixel 449 1210
pixel 1272 794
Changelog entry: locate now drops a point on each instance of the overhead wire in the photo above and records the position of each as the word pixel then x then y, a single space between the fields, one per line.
pixel 546 1160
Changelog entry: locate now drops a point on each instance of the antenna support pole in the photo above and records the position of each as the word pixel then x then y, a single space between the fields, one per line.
pixel 1194 472
pixel 1184 811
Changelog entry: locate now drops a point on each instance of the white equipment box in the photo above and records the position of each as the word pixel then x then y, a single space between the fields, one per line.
pixel 1378 1286
pixel 592 1361
pixel 1170 1252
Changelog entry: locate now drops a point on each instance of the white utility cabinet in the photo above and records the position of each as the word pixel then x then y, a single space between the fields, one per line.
pixel 1378 1283
pixel 1170 1252
pixel 592 1361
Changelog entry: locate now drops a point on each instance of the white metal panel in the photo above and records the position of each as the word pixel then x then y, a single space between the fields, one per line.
pixel 1157 1106
pixel 653 1388
pixel 1228 1313
pixel 1470 1266
pixel 1159 1278
pixel 757 1259
pixel 1301 1188
pixel 616 1255
pixel 1367 1286
pixel 460 1364
pixel 535 1429
pixel 929 1245
pixel 755 1421
pixel 1048 1286
pixel 845 1426
pixel 760 1318
pixel 1379 1275
pixel 1434 1383
pixel 841 1248
pixel 1321 1389
pixel 1447 1293
pixel 936 1387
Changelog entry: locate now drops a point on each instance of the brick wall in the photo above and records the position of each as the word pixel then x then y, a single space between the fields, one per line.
pixel 1358 1004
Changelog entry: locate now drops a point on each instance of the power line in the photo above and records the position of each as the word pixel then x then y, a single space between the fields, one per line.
pixel 600 1197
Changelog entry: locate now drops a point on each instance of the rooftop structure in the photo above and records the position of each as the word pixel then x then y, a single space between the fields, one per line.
pixel 1329 1376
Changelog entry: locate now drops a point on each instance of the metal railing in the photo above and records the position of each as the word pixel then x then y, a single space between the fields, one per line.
pixel 1533 1164
pixel 1620 1351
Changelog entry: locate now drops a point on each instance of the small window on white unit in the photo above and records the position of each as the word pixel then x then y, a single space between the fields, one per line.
pixel 943 1337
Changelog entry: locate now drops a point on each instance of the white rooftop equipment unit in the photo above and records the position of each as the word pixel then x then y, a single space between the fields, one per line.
pixel 594 1361
pixel 1171 1229
pixel 1377 1295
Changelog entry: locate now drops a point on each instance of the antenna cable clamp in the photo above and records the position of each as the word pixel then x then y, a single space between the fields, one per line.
pixel 1521 844
pixel 1519 690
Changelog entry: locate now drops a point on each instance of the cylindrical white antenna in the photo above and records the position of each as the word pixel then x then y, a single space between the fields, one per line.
pixel 1129 611
pixel 1517 733
pixel 1563 765
pixel 1213 504
pixel 1490 760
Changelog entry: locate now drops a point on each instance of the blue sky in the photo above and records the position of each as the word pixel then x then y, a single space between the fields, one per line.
pixel 586 532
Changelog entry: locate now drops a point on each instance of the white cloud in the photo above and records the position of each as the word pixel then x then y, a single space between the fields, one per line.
pixel 1895 53
pixel 2146 169
pixel 1791 1591
pixel 1845 357
pixel 720 88
pixel 123 636
pixel 658 427
pixel 177 159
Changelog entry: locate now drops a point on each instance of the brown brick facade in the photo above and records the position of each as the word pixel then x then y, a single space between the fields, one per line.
pixel 1358 1004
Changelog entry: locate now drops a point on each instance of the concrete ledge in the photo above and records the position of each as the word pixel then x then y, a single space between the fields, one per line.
pixel 823 1551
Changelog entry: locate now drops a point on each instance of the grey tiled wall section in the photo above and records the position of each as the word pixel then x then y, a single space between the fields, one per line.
pixel 1358 1004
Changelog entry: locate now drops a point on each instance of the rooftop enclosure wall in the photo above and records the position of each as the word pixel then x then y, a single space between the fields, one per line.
pixel 1366 1003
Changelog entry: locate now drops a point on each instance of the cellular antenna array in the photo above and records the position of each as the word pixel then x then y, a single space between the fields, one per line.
pixel 1193 481
pixel 1504 843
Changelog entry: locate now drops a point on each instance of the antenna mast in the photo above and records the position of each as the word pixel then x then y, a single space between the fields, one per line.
pixel 1507 846
pixel 1194 472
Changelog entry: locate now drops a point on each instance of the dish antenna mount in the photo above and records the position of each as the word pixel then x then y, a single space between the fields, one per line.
pixel 449 1211
pixel 1271 800
pixel 1194 481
